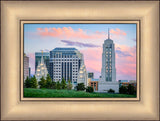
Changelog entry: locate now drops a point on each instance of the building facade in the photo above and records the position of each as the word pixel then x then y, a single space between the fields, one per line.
pixel 41 69
pixel 26 67
pixel 91 75
pixel 123 83
pixel 67 63
pixel 94 83
pixel 108 71
pixel 38 56
pixel 126 83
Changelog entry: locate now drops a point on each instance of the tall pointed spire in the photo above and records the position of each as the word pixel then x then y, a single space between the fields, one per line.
pixel 108 34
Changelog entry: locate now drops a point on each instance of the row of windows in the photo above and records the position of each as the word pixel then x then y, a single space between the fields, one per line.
pixel 57 62
pixel 64 56
pixel 65 59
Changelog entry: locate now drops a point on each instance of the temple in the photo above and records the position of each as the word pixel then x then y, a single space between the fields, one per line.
pixel 41 69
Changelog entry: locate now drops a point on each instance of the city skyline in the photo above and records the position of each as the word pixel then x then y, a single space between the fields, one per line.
pixel 88 39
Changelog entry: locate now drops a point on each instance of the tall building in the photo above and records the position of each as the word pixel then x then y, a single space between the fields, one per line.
pixel 38 56
pixel 91 75
pixel 26 67
pixel 41 69
pixel 67 63
pixel 108 71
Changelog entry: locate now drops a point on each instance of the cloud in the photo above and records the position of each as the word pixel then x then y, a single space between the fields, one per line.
pixel 78 44
pixel 117 31
pixel 125 62
pixel 122 53
pixel 68 33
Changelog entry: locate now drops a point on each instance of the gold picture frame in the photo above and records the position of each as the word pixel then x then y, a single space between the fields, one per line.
pixel 13 108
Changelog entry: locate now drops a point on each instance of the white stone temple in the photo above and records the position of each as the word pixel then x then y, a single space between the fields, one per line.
pixel 41 69
pixel 82 75
pixel 108 72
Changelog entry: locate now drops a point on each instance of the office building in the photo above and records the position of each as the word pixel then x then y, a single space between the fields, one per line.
pixel 108 71
pixel 29 72
pixel 38 56
pixel 41 69
pixel 67 63
pixel 26 67
pixel 91 75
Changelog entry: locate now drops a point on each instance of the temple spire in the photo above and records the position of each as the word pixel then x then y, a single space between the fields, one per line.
pixel 108 34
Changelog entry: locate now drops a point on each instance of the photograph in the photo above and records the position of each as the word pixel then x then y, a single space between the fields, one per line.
pixel 79 60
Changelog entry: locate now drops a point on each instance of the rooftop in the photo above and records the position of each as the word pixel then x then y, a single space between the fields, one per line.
pixel 64 49
pixel 94 79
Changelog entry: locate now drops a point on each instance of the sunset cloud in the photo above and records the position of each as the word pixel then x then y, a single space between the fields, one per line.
pixel 117 31
pixel 68 32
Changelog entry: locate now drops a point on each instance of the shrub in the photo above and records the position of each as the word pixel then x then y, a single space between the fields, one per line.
pixel 123 90
pixel 63 84
pixel 58 85
pixel 42 83
pixel 34 83
pixel 131 90
pixel 111 91
pixel 27 82
pixel 53 85
pixel 80 87
pixel 89 89
pixel 48 82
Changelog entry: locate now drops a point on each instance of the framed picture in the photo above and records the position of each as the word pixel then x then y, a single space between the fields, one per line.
pixel 79 61
pixel 24 26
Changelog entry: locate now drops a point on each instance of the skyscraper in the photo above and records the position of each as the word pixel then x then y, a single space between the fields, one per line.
pixel 108 72
pixel 67 63
pixel 38 56
pixel 26 67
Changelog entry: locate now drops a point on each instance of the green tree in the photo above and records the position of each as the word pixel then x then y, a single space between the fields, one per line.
pixel 48 82
pixel 27 83
pixel 53 85
pixel 69 85
pixel 89 89
pixel 80 87
pixel 63 84
pixel 131 89
pixel 58 85
pixel 123 90
pixel 34 83
pixel 42 83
